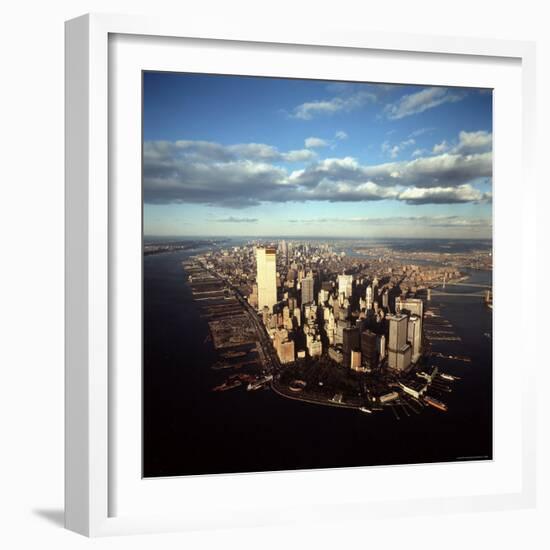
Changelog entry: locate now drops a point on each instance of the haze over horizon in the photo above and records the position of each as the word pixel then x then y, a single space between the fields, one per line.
pixel 263 157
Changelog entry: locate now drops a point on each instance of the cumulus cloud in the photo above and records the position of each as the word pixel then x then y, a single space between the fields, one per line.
pixel 447 169
pixel 341 135
pixel 439 148
pixel 468 143
pixel 312 142
pixel 343 191
pixel 204 172
pixel 243 175
pixel 298 155
pixel 346 103
pixel 474 142
pixel 421 101
pixel 441 195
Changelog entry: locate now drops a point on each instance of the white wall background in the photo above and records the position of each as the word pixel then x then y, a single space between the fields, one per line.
pixel 31 259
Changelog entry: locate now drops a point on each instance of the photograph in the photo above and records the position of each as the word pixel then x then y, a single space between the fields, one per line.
pixel 317 274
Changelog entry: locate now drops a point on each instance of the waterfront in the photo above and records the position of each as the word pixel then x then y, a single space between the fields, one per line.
pixel 188 429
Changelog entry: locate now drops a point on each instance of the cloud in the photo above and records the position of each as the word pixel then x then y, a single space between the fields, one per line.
pixel 341 135
pixel 421 101
pixel 312 142
pixel 469 143
pixel 233 219
pixel 299 155
pixel 474 142
pixel 207 173
pixel 244 175
pixel 420 131
pixel 426 221
pixel 418 152
pixel 442 170
pixel 441 195
pixel 209 151
pixel 343 191
pixel 439 148
pixel 346 103
pixel 267 153
pixel 394 150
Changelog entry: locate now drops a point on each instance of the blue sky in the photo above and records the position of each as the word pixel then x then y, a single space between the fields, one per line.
pixel 228 155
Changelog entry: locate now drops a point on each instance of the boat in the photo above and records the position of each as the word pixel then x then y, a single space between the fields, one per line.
pixel 435 403
pixel 259 383
pixel 227 385
pixel 448 376
pixel 365 410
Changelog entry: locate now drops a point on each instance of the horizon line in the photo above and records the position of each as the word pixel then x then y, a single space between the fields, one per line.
pixel 315 237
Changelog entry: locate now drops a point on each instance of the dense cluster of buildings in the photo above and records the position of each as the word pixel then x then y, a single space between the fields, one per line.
pixel 355 320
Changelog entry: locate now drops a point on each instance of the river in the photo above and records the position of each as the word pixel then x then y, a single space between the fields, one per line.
pixel 188 429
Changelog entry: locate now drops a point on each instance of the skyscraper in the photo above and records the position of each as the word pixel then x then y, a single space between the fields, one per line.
pixel 382 347
pixel 307 290
pixel 385 299
pixel 345 285
pixel 266 276
pixel 414 336
pixel 350 342
pixel 369 352
pixel 398 331
pixel 399 352
pixel 416 307
pixel 369 297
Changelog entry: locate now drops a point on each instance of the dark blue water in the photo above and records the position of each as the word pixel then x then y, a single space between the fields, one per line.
pixel 188 429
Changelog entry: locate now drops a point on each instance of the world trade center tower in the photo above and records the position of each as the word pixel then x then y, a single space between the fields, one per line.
pixel 266 277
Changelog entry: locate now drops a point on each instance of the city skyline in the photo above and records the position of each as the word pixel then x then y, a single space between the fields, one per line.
pixel 257 157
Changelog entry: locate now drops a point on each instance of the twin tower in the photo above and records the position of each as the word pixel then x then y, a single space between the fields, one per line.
pixel 266 277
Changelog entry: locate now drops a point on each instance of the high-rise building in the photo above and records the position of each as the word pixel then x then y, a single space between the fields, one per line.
pixel 336 355
pixel 314 345
pixel 355 362
pixel 382 347
pixel 298 316
pixel 283 346
pixel 369 297
pixel 369 351
pixel 287 318
pixel 253 298
pixel 345 285
pixel 341 325
pixel 284 251
pixel 266 274
pixel 398 331
pixel 414 336
pixel 398 305
pixel 323 296
pixel 399 352
pixel 403 359
pixel 415 306
pixel 350 342
pixel 385 299
pixel 307 290
pixel 286 352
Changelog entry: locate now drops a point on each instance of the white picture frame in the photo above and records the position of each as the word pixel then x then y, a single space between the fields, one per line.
pixel 90 396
